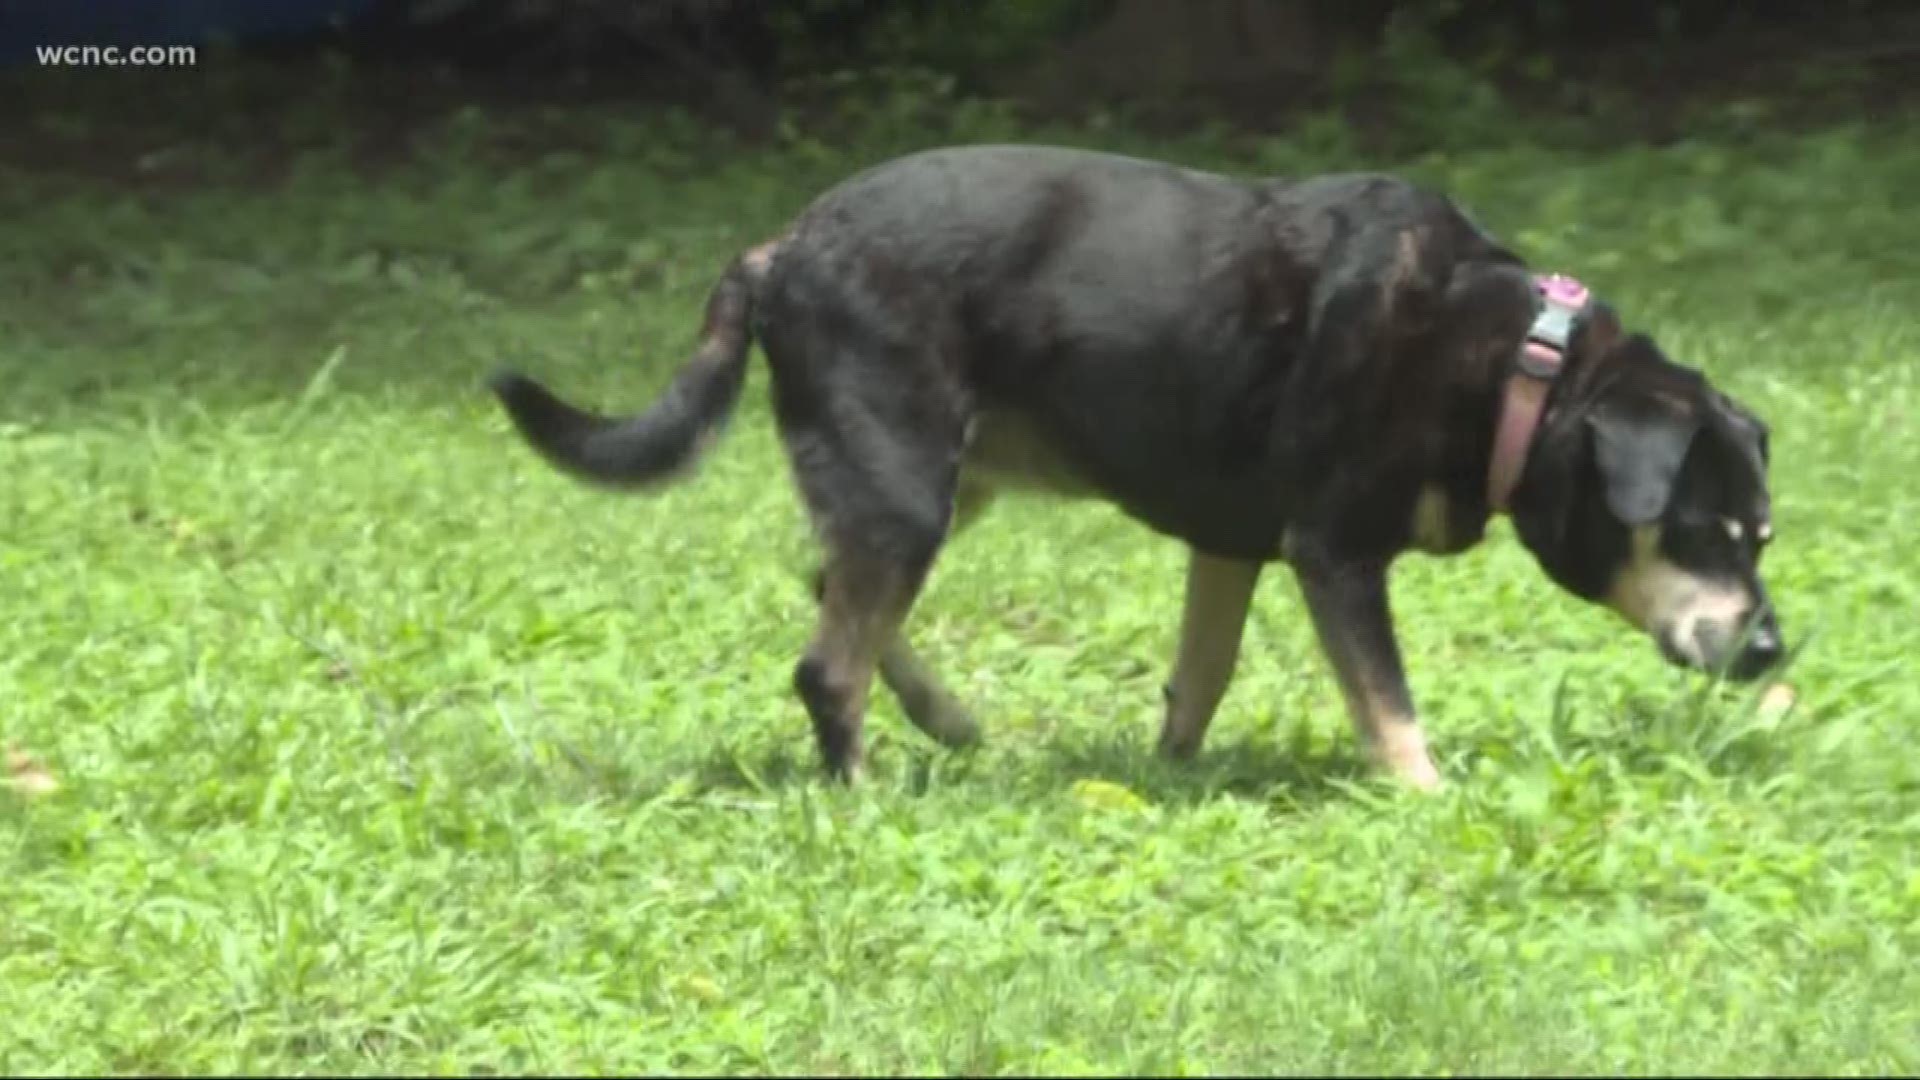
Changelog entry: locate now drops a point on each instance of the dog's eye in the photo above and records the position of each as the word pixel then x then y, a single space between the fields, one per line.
pixel 1740 533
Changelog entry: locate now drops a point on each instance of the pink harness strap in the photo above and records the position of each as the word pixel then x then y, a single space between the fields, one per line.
pixel 1526 394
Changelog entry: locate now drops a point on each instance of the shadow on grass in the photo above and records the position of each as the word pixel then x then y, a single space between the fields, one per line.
pixel 1256 770
pixel 1643 737
pixel 1252 770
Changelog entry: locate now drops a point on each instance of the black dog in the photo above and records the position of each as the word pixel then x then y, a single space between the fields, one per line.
pixel 1327 372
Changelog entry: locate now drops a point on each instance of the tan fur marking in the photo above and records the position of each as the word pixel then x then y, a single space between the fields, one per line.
pixel 1386 724
pixel 1006 451
pixel 1392 737
pixel 861 610
pixel 1395 741
pixel 760 257
pixel 1219 592
pixel 1432 520
pixel 1406 260
pixel 1406 257
pixel 1670 603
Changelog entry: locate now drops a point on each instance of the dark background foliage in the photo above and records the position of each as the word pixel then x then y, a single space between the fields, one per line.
pixel 1251 63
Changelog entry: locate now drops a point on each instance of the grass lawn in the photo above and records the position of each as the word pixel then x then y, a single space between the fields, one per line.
pixel 383 748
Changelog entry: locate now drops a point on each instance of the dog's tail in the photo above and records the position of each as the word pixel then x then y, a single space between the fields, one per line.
pixel 667 439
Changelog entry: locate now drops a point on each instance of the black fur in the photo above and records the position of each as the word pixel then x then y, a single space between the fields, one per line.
pixel 1262 369
pixel 664 440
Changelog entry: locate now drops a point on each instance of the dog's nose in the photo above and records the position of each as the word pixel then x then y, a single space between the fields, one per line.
pixel 1764 650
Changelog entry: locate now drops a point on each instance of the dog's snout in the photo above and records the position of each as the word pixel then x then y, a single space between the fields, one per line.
pixel 1763 651
pixel 1743 649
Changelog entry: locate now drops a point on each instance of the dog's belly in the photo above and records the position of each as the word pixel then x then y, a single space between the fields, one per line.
pixel 1006 451
pixel 1235 516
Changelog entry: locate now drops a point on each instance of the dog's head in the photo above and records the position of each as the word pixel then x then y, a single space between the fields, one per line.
pixel 1647 491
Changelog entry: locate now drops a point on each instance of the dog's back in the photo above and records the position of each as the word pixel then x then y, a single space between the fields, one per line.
pixel 1138 322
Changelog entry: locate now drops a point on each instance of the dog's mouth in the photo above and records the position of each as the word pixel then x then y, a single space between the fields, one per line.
pixel 1672 653
pixel 1734 653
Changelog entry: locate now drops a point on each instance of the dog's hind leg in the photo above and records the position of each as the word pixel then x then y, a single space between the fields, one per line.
pixel 928 704
pixel 863 601
pixel 877 460
pixel 931 707
pixel 1219 592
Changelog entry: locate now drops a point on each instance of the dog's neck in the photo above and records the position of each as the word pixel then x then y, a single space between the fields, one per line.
pixel 1525 397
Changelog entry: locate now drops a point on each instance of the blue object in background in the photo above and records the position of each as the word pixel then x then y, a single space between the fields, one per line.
pixel 27 24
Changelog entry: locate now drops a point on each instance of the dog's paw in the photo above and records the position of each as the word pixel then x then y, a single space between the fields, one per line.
pixel 1420 775
pixel 955 729
pixel 1403 756
pixel 943 719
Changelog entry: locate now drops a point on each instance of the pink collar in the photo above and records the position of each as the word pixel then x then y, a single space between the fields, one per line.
pixel 1533 374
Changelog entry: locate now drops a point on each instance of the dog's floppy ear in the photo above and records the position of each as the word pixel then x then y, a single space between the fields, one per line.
pixel 1639 448
pixel 1591 342
pixel 1751 430
pixel 1596 330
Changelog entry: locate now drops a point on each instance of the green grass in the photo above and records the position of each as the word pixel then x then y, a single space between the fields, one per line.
pixel 385 749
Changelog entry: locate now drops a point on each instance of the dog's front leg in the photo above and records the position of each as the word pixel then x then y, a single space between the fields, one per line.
pixel 1351 615
pixel 1219 592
